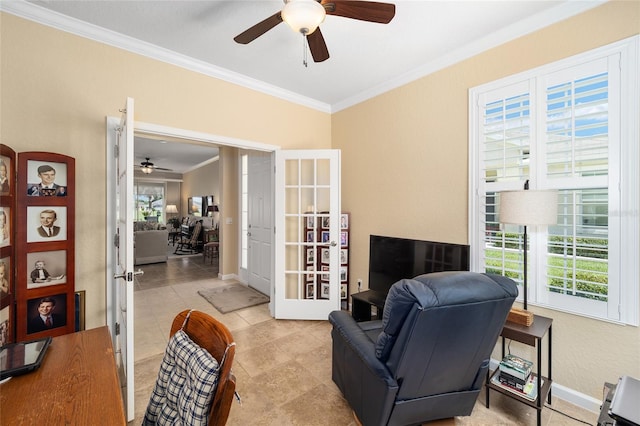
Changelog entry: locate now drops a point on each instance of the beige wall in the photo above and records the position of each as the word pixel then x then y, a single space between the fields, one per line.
pixel 58 88
pixel 404 153
pixel 229 211
pixel 173 196
pixel 202 181
pixel 404 157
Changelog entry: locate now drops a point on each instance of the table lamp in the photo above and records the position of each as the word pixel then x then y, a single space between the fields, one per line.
pixel 528 207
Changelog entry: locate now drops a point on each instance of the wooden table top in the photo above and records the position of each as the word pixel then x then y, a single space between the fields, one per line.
pixel 77 384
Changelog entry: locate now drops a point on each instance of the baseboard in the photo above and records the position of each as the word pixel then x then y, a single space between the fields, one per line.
pixel 228 277
pixel 567 394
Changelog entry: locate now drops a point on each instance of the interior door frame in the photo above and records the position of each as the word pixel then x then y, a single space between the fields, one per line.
pixel 165 132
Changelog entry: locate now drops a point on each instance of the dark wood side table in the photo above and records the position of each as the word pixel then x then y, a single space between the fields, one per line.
pixel 531 336
pixel 173 234
pixel 362 302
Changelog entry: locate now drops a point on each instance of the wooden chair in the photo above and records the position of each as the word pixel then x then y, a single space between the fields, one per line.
pixel 215 337
pixel 211 245
pixel 189 244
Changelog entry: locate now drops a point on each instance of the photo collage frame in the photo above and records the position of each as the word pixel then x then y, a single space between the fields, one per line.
pixel 45 279
pixel 316 257
pixel 7 244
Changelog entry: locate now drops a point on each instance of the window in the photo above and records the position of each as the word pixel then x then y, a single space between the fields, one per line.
pixel 571 126
pixel 149 203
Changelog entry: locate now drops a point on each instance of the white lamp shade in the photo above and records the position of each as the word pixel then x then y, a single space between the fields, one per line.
pixel 529 207
pixel 303 16
pixel 171 208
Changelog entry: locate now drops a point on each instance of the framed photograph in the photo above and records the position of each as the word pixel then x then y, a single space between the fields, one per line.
pixel 311 255
pixel 46 313
pixel 5 226
pixel 343 291
pixel 5 326
pixel 311 291
pixel 344 238
pixel 6 170
pixel 324 290
pixel 310 221
pixel 344 256
pixel 310 276
pixel 311 236
pixel 343 273
pixel 46 223
pixel 194 206
pixel 46 268
pixel 344 221
pixel 325 255
pixel 325 236
pixel 325 275
pixel 5 280
pixel 46 179
pixel 325 222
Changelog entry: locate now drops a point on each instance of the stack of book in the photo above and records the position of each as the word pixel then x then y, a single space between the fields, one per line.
pixel 515 375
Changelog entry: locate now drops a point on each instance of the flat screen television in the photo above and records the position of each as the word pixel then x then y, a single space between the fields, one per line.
pixel 392 259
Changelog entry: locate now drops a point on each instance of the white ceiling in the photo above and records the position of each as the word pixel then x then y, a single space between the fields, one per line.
pixel 366 59
pixel 178 157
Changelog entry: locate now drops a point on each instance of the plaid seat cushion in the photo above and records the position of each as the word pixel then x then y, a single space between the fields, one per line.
pixel 185 386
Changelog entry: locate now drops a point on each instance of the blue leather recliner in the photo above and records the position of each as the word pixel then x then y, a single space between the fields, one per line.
pixel 428 357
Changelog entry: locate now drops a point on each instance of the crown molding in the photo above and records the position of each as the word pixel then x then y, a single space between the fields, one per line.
pixel 41 15
pixel 44 16
pixel 497 38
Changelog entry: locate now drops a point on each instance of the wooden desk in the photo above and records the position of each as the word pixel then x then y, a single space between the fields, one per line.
pixel 77 384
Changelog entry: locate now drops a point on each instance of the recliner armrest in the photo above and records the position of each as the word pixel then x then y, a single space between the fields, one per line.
pixel 356 338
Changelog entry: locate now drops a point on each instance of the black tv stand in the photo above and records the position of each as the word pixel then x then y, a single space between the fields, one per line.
pixel 362 302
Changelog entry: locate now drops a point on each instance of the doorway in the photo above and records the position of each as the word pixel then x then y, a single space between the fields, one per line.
pixel 230 145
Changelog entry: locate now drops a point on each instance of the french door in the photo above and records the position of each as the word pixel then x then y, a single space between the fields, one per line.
pixel 120 283
pixel 307 211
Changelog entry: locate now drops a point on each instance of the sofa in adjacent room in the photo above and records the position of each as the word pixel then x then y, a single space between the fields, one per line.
pixel 150 245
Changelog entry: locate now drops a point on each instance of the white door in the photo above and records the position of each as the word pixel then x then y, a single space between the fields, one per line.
pixel 307 237
pixel 121 286
pixel 260 226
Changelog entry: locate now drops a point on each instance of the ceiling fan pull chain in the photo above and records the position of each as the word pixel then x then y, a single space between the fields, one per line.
pixel 304 50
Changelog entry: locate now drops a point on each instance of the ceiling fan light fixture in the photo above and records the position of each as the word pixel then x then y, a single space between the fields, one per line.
pixel 146 169
pixel 303 16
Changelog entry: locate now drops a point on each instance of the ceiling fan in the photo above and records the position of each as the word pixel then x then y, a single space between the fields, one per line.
pixel 147 167
pixel 304 16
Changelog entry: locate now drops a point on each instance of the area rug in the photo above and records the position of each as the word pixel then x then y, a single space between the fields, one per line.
pixel 232 297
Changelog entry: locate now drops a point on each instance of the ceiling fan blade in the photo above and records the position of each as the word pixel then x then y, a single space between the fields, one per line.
pixel 161 168
pixel 318 46
pixel 370 11
pixel 258 29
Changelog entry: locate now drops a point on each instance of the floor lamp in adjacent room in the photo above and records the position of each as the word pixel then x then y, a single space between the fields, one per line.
pixel 528 207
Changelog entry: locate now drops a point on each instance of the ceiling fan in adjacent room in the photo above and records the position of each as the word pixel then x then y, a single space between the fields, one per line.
pixel 147 167
pixel 304 16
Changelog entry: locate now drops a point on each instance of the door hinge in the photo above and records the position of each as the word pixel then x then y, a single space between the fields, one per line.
pixel 116 151
pixel 117 329
pixel 116 240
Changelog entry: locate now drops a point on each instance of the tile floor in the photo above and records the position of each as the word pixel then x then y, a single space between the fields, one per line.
pixel 283 368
